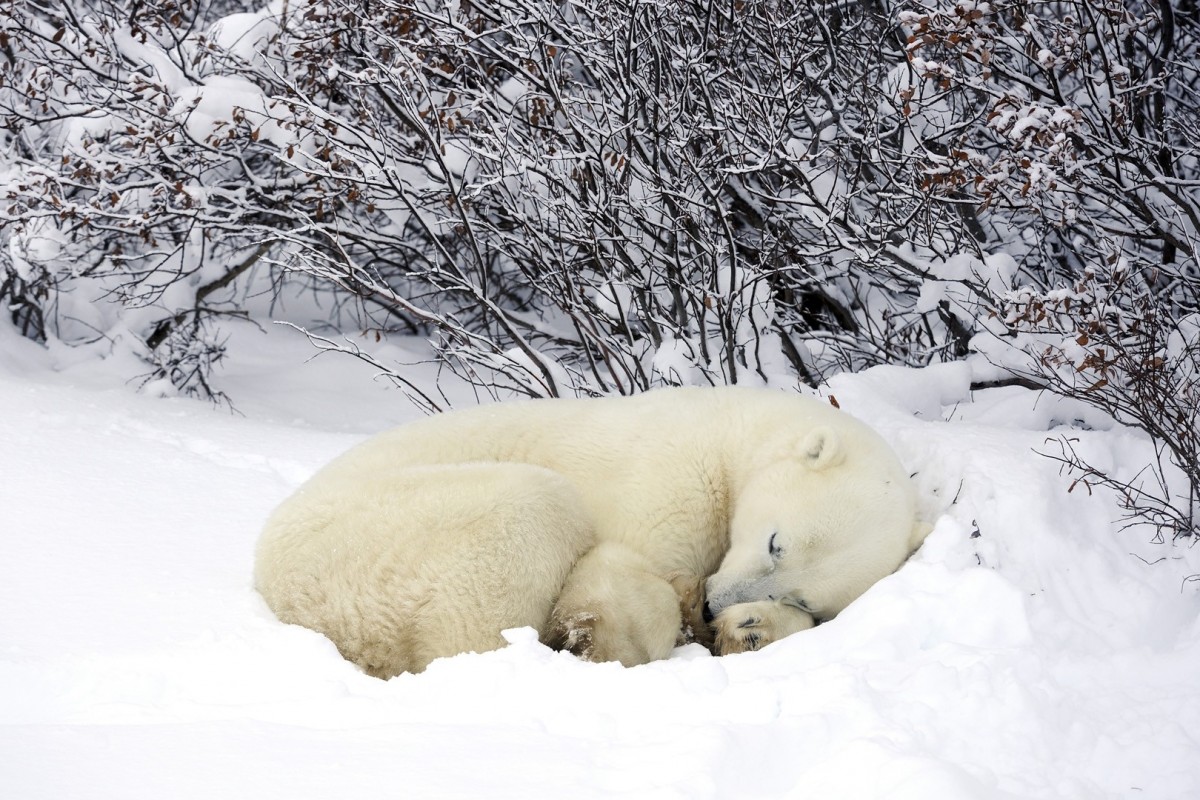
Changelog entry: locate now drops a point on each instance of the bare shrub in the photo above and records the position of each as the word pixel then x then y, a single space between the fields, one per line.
pixel 1084 148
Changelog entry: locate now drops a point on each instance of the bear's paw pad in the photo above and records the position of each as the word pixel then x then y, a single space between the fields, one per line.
pixel 575 634
pixel 740 634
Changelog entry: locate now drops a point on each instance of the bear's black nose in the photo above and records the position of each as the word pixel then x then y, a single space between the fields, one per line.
pixel 706 613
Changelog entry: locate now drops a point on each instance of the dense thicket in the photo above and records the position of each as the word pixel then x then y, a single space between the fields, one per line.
pixel 585 198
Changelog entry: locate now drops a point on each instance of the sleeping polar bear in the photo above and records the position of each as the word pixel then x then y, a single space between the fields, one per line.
pixel 593 521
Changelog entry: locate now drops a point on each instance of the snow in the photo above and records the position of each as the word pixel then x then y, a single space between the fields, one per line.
pixel 1030 649
pixel 245 35
pixel 210 107
pixel 38 246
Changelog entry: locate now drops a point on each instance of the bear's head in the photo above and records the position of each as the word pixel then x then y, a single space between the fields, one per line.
pixel 816 527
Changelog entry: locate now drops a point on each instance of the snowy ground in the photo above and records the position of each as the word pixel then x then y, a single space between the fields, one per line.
pixel 1029 650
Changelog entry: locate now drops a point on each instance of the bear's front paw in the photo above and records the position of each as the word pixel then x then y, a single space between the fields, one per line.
pixel 740 632
pixel 752 626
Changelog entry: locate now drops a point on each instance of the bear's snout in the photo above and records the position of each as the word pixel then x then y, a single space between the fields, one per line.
pixel 706 613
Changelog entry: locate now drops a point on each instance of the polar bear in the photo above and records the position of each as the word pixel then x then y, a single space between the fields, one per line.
pixel 594 521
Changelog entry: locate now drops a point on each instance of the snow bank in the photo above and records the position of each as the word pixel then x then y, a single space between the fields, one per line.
pixel 1029 650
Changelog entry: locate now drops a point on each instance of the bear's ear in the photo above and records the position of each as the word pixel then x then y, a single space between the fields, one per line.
pixel 821 448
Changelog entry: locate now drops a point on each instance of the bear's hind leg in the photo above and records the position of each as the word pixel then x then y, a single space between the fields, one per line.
pixel 400 567
pixel 614 608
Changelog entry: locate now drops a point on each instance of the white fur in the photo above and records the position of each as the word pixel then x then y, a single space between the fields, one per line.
pixel 580 518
